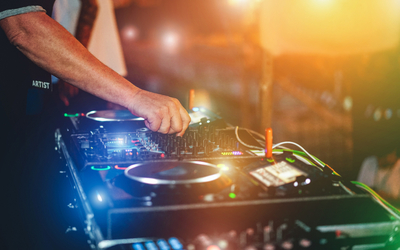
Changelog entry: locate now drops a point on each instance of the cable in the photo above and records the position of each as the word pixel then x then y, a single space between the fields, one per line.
pixel 392 210
pixel 305 151
pixel 319 162
pixel 243 143
pixel 346 188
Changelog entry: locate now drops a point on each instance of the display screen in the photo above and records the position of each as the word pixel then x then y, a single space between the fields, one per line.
pixel 277 174
pixel 196 116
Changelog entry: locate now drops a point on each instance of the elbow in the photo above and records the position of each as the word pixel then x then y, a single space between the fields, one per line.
pixel 18 39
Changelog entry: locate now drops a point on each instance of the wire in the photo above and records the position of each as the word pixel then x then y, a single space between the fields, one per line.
pixel 346 188
pixel 391 209
pixel 319 162
pixel 305 151
pixel 243 143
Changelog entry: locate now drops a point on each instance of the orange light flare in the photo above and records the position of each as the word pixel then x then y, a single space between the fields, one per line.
pixel 332 27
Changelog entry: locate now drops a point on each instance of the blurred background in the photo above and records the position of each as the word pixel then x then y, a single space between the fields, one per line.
pixel 322 73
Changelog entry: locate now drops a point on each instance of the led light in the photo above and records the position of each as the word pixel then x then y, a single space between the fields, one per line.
pixel 175 244
pixel 195 109
pixel 307 181
pixel 71 115
pixel 120 168
pixel 100 168
pixel 150 245
pixel 232 195
pixel 232 153
pixel 137 246
pixel 295 184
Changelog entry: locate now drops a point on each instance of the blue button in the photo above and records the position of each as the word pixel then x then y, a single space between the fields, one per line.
pixel 138 246
pixel 163 245
pixel 175 244
pixel 150 245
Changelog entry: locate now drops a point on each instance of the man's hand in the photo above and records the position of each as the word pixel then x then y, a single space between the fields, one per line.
pixel 161 113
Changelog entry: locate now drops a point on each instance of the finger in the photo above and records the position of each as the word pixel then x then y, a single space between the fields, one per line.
pixel 185 121
pixel 153 123
pixel 176 122
pixel 165 125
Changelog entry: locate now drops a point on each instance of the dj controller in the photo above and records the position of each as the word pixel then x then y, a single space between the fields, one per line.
pixel 214 188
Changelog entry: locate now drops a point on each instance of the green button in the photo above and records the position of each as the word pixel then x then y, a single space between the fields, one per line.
pixel 290 160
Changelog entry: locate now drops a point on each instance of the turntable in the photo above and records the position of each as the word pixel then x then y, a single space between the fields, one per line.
pixel 124 120
pixel 141 190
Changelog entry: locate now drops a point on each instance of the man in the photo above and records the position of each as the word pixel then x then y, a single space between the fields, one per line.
pixel 52 48
pixel 32 43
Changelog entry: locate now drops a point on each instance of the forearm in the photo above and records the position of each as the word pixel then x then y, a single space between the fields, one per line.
pixel 53 48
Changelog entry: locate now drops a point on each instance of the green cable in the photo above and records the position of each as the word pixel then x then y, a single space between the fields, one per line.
pixel 376 195
pixel 304 154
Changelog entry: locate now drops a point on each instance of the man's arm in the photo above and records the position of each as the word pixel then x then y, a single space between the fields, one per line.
pixel 53 48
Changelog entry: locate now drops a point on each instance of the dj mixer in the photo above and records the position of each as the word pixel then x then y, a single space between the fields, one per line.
pixel 213 188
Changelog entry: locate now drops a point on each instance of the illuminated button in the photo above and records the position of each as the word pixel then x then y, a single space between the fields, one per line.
pixel 232 153
pixel 163 245
pixel 175 244
pixel 270 160
pixel 137 246
pixel 150 245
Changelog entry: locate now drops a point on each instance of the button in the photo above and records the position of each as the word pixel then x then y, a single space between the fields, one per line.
pixel 137 246
pixel 150 245
pixel 175 244
pixel 162 244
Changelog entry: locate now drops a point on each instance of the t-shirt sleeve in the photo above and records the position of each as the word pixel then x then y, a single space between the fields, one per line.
pixel 16 7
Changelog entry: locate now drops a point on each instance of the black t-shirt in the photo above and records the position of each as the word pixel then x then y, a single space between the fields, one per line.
pixel 17 73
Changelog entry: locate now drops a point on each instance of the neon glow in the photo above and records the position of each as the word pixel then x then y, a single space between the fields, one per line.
pixel 100 168
pixel 120 168
pixel 71 115
pixel 232 153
